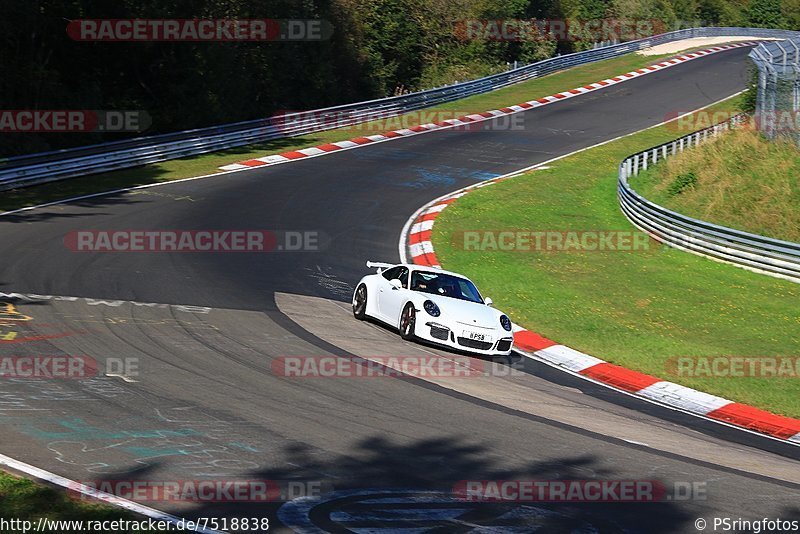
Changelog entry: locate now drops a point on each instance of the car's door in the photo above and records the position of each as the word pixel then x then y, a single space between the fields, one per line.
pixel 390 298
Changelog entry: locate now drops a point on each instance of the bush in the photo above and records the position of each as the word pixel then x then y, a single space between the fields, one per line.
pixel 681 182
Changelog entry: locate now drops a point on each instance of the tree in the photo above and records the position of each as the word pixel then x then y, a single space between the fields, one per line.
pixel 766 14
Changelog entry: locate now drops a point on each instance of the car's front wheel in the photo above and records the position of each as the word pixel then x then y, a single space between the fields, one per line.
pixel 360 303
pixel 408 321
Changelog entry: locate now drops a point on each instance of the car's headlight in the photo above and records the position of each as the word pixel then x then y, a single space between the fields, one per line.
pixel 505 322
pixel 431 308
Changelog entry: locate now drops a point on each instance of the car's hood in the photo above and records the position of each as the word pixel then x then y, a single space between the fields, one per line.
pixel 472 313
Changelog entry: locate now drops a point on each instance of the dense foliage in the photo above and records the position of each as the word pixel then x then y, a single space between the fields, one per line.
pixel 379 47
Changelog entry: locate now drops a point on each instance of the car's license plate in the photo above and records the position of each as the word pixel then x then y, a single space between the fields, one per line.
pixel 477 336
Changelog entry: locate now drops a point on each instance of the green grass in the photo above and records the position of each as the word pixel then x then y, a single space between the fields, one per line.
pixel 637 309
pixel 24 499
pixel 210 163
pixel 722 182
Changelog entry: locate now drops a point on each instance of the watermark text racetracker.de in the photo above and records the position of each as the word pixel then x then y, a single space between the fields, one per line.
pixel 73 367
pixel 584 491
pixel 734 366
pixel 199 490
pixel 194 241
pixel 292 121
pixel 58 526
pixel 70 367
pixel 536 30
pixel 515 240
pixel 424 366
pixel 73 121
pixel 194 30
pixel 787 121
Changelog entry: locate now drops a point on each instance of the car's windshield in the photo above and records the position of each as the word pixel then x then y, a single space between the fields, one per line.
pixel 445 285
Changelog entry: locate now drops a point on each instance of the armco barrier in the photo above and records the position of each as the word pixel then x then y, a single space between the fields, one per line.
pixel 750 251
pixel 40 168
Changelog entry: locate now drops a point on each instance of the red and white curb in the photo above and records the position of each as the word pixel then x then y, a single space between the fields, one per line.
pixel 474 118
pixel 416 239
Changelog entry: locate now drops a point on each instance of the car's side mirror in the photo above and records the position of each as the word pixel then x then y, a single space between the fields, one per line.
pixel 488 301
pixel 396 283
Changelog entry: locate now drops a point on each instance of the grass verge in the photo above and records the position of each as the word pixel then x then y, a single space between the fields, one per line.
pixel 638 309
pixel 722 182
pixel 210 163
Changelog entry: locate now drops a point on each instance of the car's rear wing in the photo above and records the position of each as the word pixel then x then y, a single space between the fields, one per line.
pixel 379 265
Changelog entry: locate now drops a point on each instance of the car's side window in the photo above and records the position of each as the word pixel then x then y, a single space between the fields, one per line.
pixel 403 277
pixel 399 272
pixel 469 292
pixel 391 274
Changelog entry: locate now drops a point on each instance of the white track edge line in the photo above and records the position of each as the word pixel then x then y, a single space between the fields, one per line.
pixel 101 496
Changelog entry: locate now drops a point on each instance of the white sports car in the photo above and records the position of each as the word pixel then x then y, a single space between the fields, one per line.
pixel 433 305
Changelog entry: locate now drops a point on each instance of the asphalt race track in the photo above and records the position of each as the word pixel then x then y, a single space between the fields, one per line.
pixel 204 400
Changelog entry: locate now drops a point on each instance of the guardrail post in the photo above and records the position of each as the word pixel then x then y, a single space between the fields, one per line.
pixel 644 163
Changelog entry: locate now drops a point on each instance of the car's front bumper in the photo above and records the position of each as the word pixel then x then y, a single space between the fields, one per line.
pixel 449 334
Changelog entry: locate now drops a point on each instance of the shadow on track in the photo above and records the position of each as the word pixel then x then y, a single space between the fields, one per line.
pixel 386 486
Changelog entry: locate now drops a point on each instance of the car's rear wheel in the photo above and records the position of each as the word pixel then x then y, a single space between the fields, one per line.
pixel 360 303
pixel 408 321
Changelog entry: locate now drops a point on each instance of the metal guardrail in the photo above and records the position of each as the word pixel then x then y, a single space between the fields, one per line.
pixel 765 255
pixel 40 168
